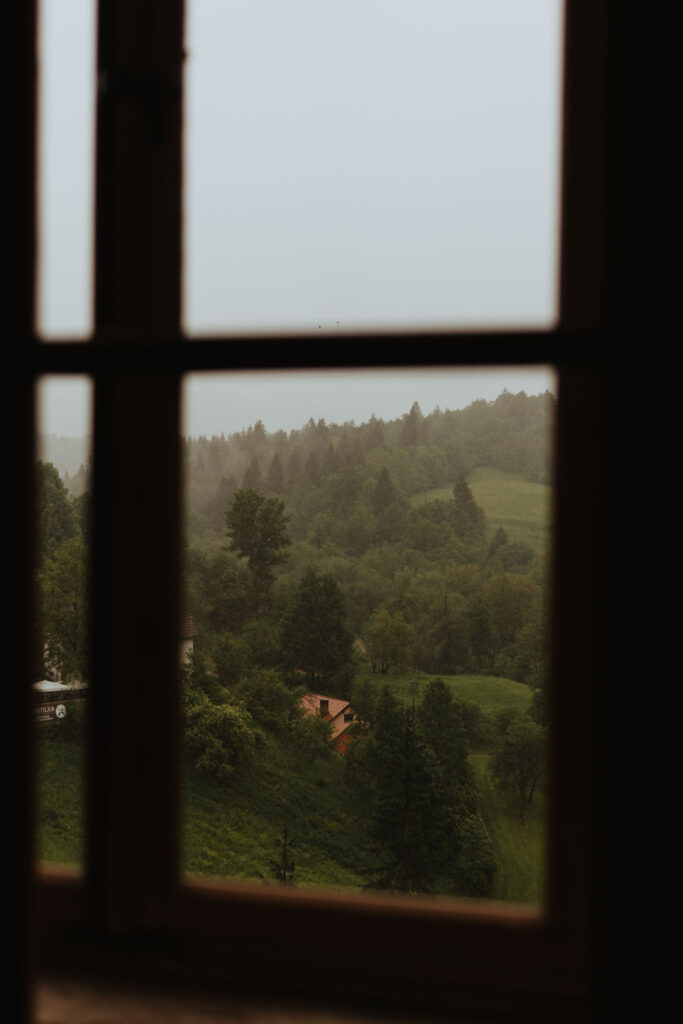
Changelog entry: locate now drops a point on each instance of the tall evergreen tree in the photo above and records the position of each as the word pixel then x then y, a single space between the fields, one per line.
pixel 499 539
pixel 294 469
pixel 275 477
pixel 445 732
pixel 410 821
pixel 312 469
pixel 467 515
pixel 252 478
pixel 385 493
pixel 410 430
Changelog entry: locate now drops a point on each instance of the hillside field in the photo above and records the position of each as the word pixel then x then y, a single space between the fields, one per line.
pixel 231 829
pixel 522 508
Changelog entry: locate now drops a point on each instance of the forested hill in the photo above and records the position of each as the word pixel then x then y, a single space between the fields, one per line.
pixel 328 469
pixel 383 564
pixel 385 511
pixel 423 540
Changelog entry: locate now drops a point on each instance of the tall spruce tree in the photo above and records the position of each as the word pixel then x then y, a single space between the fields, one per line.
pixel 275 477
pixel 252 477
pixel 410 823
pixel 445 733
pixel 468 517
pixel 410 428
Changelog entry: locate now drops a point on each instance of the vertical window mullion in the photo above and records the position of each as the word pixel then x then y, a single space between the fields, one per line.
pixel 19 22
pixel 138 204
pixel 584 166
pixel 133 800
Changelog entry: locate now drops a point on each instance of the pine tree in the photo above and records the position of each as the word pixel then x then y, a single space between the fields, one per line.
pixel 311 469
pixel 410 821
pixel 410 430
pixel 275 477
pixel 252 478
pixel 385 493
pixel 499 540
pixel 468 517
pixel 445 732
pixel 294 469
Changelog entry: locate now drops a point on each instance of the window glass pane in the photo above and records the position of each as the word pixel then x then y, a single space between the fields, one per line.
pixel 365 646
pixel 60 687
pixel 66 132
pixel 358 163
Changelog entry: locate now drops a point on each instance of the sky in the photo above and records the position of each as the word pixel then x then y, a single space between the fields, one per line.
pixel 349 164
pixel 227 403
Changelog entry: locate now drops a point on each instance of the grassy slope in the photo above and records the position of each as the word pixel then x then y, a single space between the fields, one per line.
pixel 518 837
pixel 523 509
pixel 232 828
pixel 491 693
pixel 60 798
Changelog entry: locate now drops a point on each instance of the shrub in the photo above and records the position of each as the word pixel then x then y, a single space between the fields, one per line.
pixel 217 736
pixel 476 865
pixel 268 699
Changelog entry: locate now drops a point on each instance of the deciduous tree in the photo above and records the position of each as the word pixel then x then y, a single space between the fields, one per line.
pixel 257 527
pixel 55 517
pixel 389 640
pixel 314 637
pixel 63 611
pixel 518 757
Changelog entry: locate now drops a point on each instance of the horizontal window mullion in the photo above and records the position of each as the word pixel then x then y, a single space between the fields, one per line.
pixel 142 357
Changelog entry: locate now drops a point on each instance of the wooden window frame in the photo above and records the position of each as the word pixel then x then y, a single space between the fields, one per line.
pixel 131 914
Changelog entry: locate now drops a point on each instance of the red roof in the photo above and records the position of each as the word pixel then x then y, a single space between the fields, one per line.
pixel 335 710
pixel 188 630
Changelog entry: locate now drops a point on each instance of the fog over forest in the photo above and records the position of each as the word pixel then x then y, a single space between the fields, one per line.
pixel 216 404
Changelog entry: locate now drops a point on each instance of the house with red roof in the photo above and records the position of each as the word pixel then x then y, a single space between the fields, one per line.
pixel 338 712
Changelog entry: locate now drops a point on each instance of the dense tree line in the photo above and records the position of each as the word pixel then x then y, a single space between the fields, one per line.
pixel 355 505
pixel 437 598
pixel 322 464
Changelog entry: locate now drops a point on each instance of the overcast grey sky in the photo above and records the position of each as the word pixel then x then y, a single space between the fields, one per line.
pixel 348 163
pixel 364 162
pixel 227 403
pixel 220 404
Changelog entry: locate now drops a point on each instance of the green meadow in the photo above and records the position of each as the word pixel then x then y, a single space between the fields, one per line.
pixel 522 508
